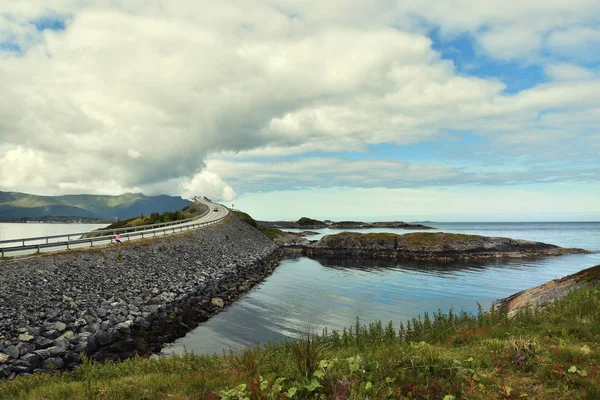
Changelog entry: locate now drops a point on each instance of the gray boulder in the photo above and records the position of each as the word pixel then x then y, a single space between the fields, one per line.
pixel 12 352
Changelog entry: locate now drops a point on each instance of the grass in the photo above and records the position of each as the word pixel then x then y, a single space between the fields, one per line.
pixel 550 353
pixel 305 221
pixel 380 236
pixel 271 233
pixel 154 218
pixel 589 275
pixel 373 236
pixel 434 238
pixel 340 224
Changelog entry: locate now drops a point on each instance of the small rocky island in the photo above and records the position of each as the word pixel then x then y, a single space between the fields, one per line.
pixel 309 223
pixel 433 246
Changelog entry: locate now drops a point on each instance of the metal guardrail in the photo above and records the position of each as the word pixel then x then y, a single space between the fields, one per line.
pixel 148 230
pixel 99 231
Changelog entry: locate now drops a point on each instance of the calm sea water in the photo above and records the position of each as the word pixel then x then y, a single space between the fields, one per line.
pixel 20 230
pixel 306 293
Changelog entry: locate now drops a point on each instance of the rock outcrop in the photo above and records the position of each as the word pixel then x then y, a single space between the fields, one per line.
pixel 123 300
pixel 436 246
pixel 291 239
pixel 302 223
pixel 308 223
pixel 371 225
pixel 549 292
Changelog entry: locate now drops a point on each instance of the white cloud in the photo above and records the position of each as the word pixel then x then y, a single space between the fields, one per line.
pixel 569 72
pixel 511 42
pixel 311 172
pixel 135 95
pixel 134 154
pixel 207 184
pixel 577 41
pixel 19 165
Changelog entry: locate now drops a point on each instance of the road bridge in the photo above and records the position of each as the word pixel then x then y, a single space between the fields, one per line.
pixel 78 240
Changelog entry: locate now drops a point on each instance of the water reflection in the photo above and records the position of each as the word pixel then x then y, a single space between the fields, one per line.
pixel 326 292
pixel 331 292
pixel 375 265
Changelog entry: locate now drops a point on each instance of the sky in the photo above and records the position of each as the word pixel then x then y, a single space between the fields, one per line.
pixel 445 110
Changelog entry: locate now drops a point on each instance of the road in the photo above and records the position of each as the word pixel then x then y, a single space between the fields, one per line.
pixel 216 213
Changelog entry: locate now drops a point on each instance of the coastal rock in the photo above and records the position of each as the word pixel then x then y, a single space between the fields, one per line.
pixel 12 352
pixel 102 338
pixel 309 223
pixel 25 348
pixel 60 326
pixel 30 360
pixel 435 246
pixel 42 342
pixel 5 371
pixel 302 223
pixel 80 322
pixel 51 334
pixel 124 327
pixel 547 293
pixel 57 350
pixel 43 353
pixel 290 239
pixel 217 301
pixel 25 337
pixel 55 363
pixel 367 225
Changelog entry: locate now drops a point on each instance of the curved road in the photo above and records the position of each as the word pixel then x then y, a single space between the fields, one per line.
pixel 216 213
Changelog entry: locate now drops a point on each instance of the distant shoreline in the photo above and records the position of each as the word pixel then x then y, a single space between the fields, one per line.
pixel 54 220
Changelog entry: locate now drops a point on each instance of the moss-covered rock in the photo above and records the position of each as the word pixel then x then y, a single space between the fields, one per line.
pixel 311 223
pixel 438 246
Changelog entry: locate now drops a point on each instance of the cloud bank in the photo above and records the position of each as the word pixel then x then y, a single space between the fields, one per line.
pixel 235 97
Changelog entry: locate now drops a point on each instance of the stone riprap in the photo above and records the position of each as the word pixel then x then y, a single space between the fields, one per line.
pixel 438 246
pixel 123 300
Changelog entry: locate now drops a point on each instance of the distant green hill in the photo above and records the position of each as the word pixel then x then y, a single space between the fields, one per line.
pixel 14 205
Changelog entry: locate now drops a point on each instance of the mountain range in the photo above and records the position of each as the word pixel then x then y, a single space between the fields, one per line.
pixel 15 205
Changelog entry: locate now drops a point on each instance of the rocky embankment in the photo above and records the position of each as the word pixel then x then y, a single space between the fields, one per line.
pixel 123 300
pixel 436 246
pixel 550 291
pixel 309 223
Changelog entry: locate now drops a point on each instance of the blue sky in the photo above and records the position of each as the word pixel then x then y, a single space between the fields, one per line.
pixel 517 75
pixel 269 104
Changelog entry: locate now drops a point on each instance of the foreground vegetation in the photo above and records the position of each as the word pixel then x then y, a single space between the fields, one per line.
pixel 547 354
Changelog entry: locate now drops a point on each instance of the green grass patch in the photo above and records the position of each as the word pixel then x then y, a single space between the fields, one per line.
pixel 375 236
pixel 434 238
pixel 271 233
pixel 589 275
pixel 154 218
pixel 304 221
pixel 246 218
pixel 380 236
pixel 550 353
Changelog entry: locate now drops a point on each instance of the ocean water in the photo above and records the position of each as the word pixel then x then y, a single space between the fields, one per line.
pixel 15 230
pixel 310 294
